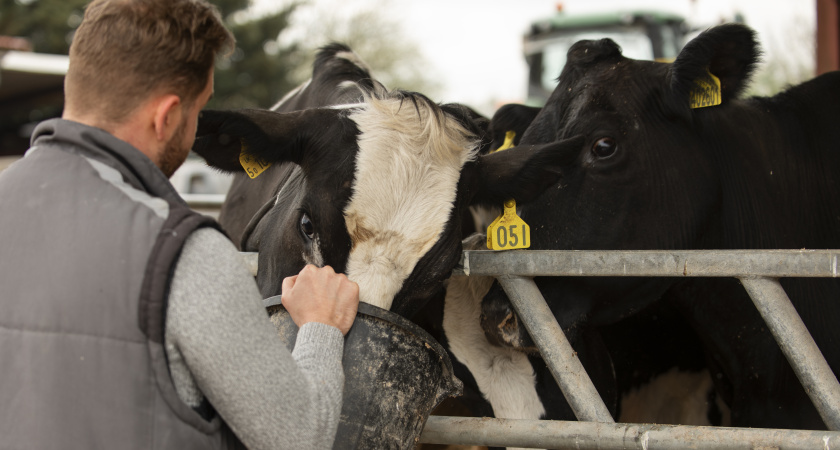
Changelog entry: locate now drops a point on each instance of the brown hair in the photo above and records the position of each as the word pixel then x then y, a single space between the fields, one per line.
pixel 126 50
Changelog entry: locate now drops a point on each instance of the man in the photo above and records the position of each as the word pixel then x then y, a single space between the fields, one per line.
pixel 126 320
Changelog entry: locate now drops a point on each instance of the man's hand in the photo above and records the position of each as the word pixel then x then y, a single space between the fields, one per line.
pixel 321 295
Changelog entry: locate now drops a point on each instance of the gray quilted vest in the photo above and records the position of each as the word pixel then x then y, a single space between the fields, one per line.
pixel 90 230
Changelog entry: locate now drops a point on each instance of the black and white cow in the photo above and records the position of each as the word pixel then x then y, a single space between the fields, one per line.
pixel 338 78
pixel 369 181
pixel 654 173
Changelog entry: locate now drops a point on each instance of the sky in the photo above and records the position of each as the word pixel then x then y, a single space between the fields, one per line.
pixel 474 47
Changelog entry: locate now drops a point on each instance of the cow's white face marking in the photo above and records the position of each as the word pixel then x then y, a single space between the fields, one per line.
pixel 504 375
pixel 407 170
pixel 314 256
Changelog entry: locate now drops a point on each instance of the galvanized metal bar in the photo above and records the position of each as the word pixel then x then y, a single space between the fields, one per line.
pixel 798 346
pixel 207 204
pixel 204 201
pixel 645 263
pixel 250 260
pixel 558 354
pixel 604 436
pixel 638 263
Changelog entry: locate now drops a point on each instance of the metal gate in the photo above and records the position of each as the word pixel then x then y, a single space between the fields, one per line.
pixel 757 270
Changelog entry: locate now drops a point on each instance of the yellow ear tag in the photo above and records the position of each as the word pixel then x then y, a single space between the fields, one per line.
pixel 253 166
pixel 509 135
pixel 706 92
pixel 508 231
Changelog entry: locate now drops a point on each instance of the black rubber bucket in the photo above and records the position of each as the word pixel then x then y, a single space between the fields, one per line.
pixel 395 374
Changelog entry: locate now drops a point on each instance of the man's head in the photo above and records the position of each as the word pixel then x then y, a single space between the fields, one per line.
pixel 144 57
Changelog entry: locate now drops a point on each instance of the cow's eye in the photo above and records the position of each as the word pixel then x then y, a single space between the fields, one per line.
pixel 306 226
pixel 604 147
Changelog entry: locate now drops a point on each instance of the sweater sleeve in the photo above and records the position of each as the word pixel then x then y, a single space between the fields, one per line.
pixel 222 346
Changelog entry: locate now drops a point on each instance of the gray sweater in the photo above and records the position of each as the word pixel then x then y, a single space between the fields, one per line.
pixel 221 346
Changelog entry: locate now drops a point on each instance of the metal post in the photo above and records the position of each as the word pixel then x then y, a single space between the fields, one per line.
pixel 555 349
pixel 605 436
pixel 250 260
pixel 798 346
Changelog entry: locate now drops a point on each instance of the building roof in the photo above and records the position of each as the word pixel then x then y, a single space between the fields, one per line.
pixel 27 77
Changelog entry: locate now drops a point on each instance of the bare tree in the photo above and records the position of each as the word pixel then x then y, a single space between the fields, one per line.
pixel 789 59
pixel 367 28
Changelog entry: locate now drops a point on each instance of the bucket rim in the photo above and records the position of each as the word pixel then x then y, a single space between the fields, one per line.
pixel 453 386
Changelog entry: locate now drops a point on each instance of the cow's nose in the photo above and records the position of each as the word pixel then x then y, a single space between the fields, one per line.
pixel 500 324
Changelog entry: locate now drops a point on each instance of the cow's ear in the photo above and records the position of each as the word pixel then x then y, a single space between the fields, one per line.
pixel 511 117
pixel 222 136
pixel 522 173
pixel 730 52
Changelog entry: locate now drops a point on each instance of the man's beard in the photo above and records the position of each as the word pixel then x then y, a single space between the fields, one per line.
pixel 173 155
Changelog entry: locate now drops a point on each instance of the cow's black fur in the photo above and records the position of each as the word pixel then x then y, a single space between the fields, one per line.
pixel 759 173
pixel 507 118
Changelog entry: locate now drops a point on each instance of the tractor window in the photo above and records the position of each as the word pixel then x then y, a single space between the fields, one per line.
pixel 634 44
pixel 670 44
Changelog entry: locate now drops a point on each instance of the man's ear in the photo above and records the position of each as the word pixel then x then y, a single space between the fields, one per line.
pixel 167 117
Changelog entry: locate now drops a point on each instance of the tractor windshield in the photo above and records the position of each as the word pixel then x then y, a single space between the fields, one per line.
pixel 634 44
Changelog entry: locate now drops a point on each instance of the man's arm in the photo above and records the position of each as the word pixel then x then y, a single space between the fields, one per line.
pixel 218 331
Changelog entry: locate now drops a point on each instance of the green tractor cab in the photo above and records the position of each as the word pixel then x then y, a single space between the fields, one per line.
pixel 652 35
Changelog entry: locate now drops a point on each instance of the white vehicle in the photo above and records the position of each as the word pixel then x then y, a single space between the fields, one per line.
pixel 203 187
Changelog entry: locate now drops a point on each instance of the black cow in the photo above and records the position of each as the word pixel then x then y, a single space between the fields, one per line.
pixel 655 173
pixel 374 186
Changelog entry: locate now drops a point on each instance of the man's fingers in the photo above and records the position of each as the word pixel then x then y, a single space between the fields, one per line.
pixel 288 283
pixel 353 288
pixel 321 295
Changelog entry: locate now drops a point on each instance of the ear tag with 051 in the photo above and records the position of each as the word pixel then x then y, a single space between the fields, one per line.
pixel 508 231
pixel 253 166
